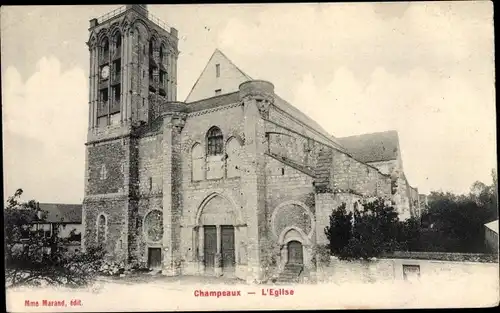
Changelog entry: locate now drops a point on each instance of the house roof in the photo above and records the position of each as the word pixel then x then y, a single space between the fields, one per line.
pixel 373 147
pixel 62 213
pixel 493 226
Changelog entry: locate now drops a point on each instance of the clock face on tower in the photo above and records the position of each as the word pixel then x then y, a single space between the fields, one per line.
pixel 105 72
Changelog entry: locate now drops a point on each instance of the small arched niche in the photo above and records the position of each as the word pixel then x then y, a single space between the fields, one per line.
pixel 197 162
pixel 233 160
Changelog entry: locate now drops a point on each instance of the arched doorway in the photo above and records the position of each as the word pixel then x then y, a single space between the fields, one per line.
pixel 295 252
pixel 153 233
pixel 218 245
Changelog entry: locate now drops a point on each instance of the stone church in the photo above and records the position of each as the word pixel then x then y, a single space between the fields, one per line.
pixel 233 181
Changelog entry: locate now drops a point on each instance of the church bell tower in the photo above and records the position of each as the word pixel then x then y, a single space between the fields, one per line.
pixel 133 67
pixel 133 72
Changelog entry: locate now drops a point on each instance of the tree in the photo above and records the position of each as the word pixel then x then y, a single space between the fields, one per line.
pixel 456 222
pixel 366 232
pixel 410 235
pixel 452 223
pixel 33 258
pixel 339 231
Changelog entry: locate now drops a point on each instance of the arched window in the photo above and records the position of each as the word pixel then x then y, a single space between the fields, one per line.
pixel 197 162
pixel 153 226
pixel 118 40
pixel 101 229
pixel 214 141
pixel 151 45
pixel 104 172
pixel 105 49
pixel 163 67
pixel 233 165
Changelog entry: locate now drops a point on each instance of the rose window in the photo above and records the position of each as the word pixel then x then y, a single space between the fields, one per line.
pixel 153 225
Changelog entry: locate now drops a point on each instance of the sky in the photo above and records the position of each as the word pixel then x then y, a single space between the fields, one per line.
pixel 425 69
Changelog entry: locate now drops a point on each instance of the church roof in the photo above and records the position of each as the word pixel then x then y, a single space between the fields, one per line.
pixel 232 63
pixel 231 76
pixel 306 120
pixel 373 147
pixel 62 213
pixel 214 102
pixel 232 97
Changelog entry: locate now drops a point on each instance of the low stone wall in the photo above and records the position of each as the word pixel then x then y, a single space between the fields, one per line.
pixel 445 256
pixel 401 269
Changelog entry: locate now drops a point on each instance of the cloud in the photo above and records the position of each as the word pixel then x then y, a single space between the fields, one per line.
pixel 446 127
pixel 424 69
pixel 359 37
pixel 45 126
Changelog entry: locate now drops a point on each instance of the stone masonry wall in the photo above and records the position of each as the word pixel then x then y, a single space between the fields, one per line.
pixel 140 73
pixel 150 164
pixel 177 196
pixel 145 205
pixel 110 155
pixel 347 173
pixel 414 202
pixel 293 145
pixel 105 194
pixel 195 130
pixel 352 175
pixel 401 197
pixel 286 184
pixel 391 270
pixel 114 209
pixel 229 120
pixel 385 167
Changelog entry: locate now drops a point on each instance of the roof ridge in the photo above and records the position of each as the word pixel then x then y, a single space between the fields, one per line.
pixel 206 66
pixel 202 71
pixel 236 66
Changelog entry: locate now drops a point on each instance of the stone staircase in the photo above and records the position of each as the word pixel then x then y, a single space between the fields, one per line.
pixel 290 274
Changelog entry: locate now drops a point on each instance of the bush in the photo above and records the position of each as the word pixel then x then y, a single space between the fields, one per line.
pixel 111 268
pixel 367 232
pixel 32 258
pixel 72 270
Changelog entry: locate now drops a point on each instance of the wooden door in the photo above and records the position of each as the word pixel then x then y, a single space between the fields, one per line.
pixel 209 247
pixel 227 248
pixel 154 258
pixel 295 255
